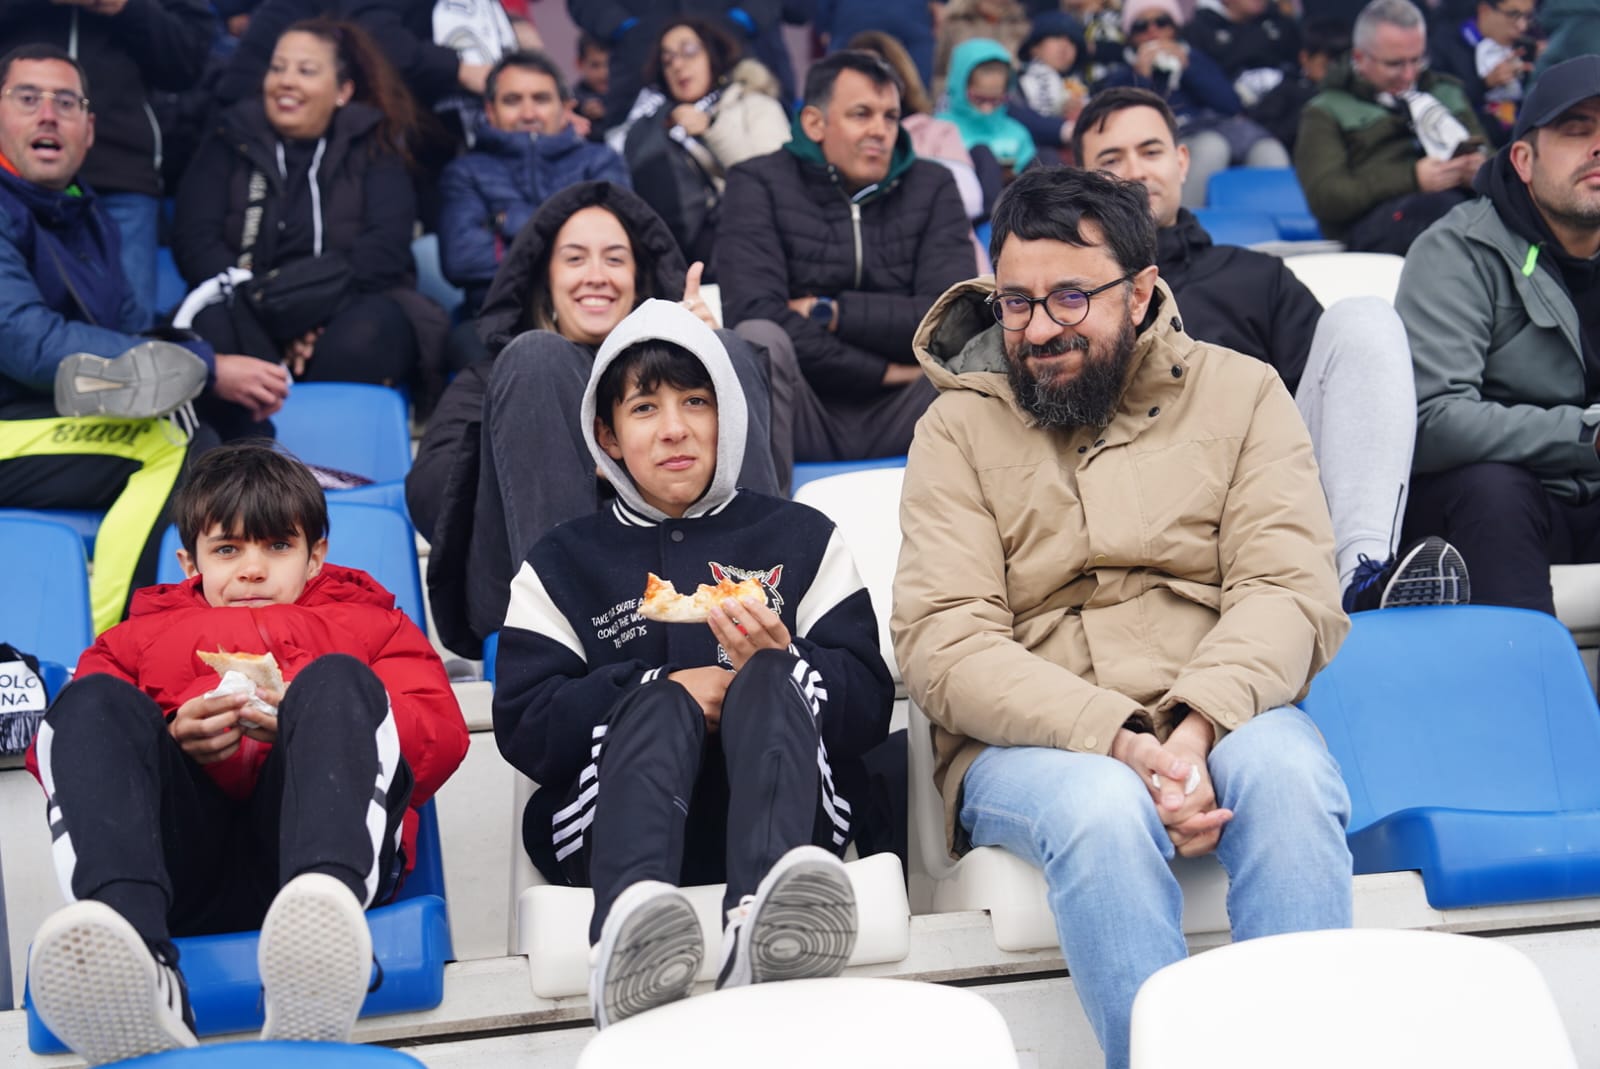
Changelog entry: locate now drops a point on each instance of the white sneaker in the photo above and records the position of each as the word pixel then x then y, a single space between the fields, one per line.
pixel 800 923
pixel 102 991
pixel 315 958
pixel 649 952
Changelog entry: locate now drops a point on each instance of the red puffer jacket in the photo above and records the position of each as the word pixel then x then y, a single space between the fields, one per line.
pixel 342 610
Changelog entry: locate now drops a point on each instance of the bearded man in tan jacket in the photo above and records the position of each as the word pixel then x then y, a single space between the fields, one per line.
pixel 1117 575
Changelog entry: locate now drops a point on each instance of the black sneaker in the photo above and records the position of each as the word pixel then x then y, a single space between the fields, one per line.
pixel 1427 572
pixel 107 994
pixel 154 378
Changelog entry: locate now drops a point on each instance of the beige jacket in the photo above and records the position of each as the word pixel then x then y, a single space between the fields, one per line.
pixel 1054 585
pixel 750 121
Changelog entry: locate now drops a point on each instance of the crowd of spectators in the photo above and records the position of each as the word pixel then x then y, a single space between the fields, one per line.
pixel 836 214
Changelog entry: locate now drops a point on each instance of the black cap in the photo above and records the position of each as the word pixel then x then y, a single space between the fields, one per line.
pixel 1052 24
pixel 1569 82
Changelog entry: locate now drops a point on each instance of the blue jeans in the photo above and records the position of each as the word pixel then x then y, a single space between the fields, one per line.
pixel 1089 823
pixel 136 215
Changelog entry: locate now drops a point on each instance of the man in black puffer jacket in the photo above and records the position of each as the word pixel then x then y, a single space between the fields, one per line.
pixel 841 241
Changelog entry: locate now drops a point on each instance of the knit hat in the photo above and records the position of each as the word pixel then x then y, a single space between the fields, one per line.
pixel 1051 24
pixel 1133 9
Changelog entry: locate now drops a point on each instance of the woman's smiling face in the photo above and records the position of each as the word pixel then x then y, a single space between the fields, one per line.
pixel 591 278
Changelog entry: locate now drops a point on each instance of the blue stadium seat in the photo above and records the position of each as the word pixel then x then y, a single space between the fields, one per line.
pixel 430 276
pixel 410 939
pixel 1274 191
pixel 1237 226
pixel 171 289
pixel 46 606
pixel 275 1056
pixel 376 539
pixel 1469 738
pixel 354 427
pixel 85 521
pixel 805 473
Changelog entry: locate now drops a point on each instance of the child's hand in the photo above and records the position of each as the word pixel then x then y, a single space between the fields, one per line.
pixel 707 686
pixel 260 727
pixel 207 729
pixel 745 626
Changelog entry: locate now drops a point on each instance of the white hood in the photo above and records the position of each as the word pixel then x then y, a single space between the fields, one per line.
pixel 658 320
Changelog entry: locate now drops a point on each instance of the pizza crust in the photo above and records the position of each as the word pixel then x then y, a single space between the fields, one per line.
pixel 663 603
pixel 260 668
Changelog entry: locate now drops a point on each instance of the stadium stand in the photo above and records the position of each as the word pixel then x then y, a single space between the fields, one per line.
pixel 1273 190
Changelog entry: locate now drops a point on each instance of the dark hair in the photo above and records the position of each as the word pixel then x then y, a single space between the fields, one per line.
pixel 528 59
pixel 1325 37
pixel 358 61
pixel 541 310
pixel 1108 102
pixel 587 44
pixel 648 363
pixel 40 50
pixel 722 48
pixel 913 94
pixel 824 72
pixel 1054 202
pixel 252 490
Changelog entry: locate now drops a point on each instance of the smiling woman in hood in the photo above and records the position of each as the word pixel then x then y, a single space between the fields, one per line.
pixel 507 456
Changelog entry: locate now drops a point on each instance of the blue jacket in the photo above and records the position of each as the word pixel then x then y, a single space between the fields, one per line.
pixel 1202 91
pixel 488 195
pixel 50 245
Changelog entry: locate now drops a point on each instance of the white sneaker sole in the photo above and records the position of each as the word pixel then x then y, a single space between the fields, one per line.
pixel 649 956
pixel 315 958
pixel 151 379
pixel 805 924
pixel 95 984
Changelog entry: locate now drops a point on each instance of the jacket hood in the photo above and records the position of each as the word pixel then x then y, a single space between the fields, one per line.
pixel 1176 242
pixel 57 209
pixel 809 152
pixel 334 584
pixel 658 320
pixel 1007 138
pixel 508 307
pixel 754 76
pixel 961 347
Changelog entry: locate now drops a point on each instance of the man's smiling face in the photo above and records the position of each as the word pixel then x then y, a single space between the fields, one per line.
pixel 46 147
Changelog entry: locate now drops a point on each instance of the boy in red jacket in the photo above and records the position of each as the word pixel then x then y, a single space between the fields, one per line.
pixel 177 809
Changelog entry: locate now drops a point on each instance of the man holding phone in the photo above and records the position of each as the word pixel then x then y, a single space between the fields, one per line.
pixel 1388 146
pixel 1492 54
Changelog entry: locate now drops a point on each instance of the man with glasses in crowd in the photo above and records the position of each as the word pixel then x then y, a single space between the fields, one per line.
pixel 1493 55
pixel 78 385
pixel 1388 146
pixel 1116 576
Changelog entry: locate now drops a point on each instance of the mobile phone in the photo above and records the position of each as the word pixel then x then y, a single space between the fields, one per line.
pixel 1468 147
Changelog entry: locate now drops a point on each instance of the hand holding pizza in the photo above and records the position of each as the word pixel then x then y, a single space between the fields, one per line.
pixel 746 626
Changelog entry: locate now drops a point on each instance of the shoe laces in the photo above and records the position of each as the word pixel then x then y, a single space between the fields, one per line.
pixel 742 910
pixel 1368 571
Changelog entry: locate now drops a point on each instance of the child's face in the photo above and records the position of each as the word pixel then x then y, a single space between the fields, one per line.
pixel 1057 53
pixel 594 67
pixel 1314 65
pixel 246 573
pixel 667 439
pixel 986 87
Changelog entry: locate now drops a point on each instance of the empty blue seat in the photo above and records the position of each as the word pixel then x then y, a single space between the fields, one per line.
pixel 1469 738
pixel 354 427
pixel 410 940
pixel 805 473
pixel 1235 226
pixel 275 1056
pixel 170 286
pixel 45 610
pixel 430 276
pixel 376 539
pixel 84 521
pixel 1273 191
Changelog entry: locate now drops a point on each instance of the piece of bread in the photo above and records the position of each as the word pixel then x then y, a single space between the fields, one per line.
pixel 662 601
pixel 260 668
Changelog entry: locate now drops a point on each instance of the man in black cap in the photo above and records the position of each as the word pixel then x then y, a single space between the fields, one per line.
pixel 1501 302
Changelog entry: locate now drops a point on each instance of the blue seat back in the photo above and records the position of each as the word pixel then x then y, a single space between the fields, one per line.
pixel 430 275
pixel 812 471
pixel 1237 226
pixel 274 1055
pixel 350 426
pixel 1272 190
pixel 1460 708
pixel 45 610
pixel 375 539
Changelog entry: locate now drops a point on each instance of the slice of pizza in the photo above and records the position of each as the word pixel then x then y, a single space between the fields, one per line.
pixel 662 601
pixel 260 668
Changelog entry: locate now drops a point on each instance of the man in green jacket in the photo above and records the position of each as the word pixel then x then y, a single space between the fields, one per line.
pixel 1501 302
pixel 1387 147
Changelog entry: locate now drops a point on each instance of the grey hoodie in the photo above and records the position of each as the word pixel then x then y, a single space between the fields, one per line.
pixel 658 320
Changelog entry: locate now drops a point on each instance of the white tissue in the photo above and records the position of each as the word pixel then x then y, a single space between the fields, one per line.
pixel 238 683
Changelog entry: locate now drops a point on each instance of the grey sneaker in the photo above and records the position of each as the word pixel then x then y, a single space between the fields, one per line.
pixel 102 990
pixel 151 379
pixel 649 952
pixel 315 958
pixel 800 923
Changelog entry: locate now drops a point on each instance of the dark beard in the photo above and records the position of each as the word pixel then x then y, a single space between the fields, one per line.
pixel 1088 400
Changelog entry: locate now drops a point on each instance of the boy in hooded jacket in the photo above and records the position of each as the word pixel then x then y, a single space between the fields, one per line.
pixel 182 803
pixel 672 753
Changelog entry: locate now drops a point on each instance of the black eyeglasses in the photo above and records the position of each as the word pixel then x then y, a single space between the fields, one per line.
pixel 1159 22
pixel 1065 307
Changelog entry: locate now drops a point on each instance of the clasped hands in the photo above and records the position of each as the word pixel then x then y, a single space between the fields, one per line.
pixel 1193 821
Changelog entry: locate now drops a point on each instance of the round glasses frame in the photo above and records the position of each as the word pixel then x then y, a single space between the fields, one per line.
pixel 1069 301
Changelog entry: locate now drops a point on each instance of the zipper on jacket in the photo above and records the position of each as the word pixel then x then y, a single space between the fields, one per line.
pixel 155 133
pixel 855 228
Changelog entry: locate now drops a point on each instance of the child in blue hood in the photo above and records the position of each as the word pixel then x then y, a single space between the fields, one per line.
pixel 981 75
